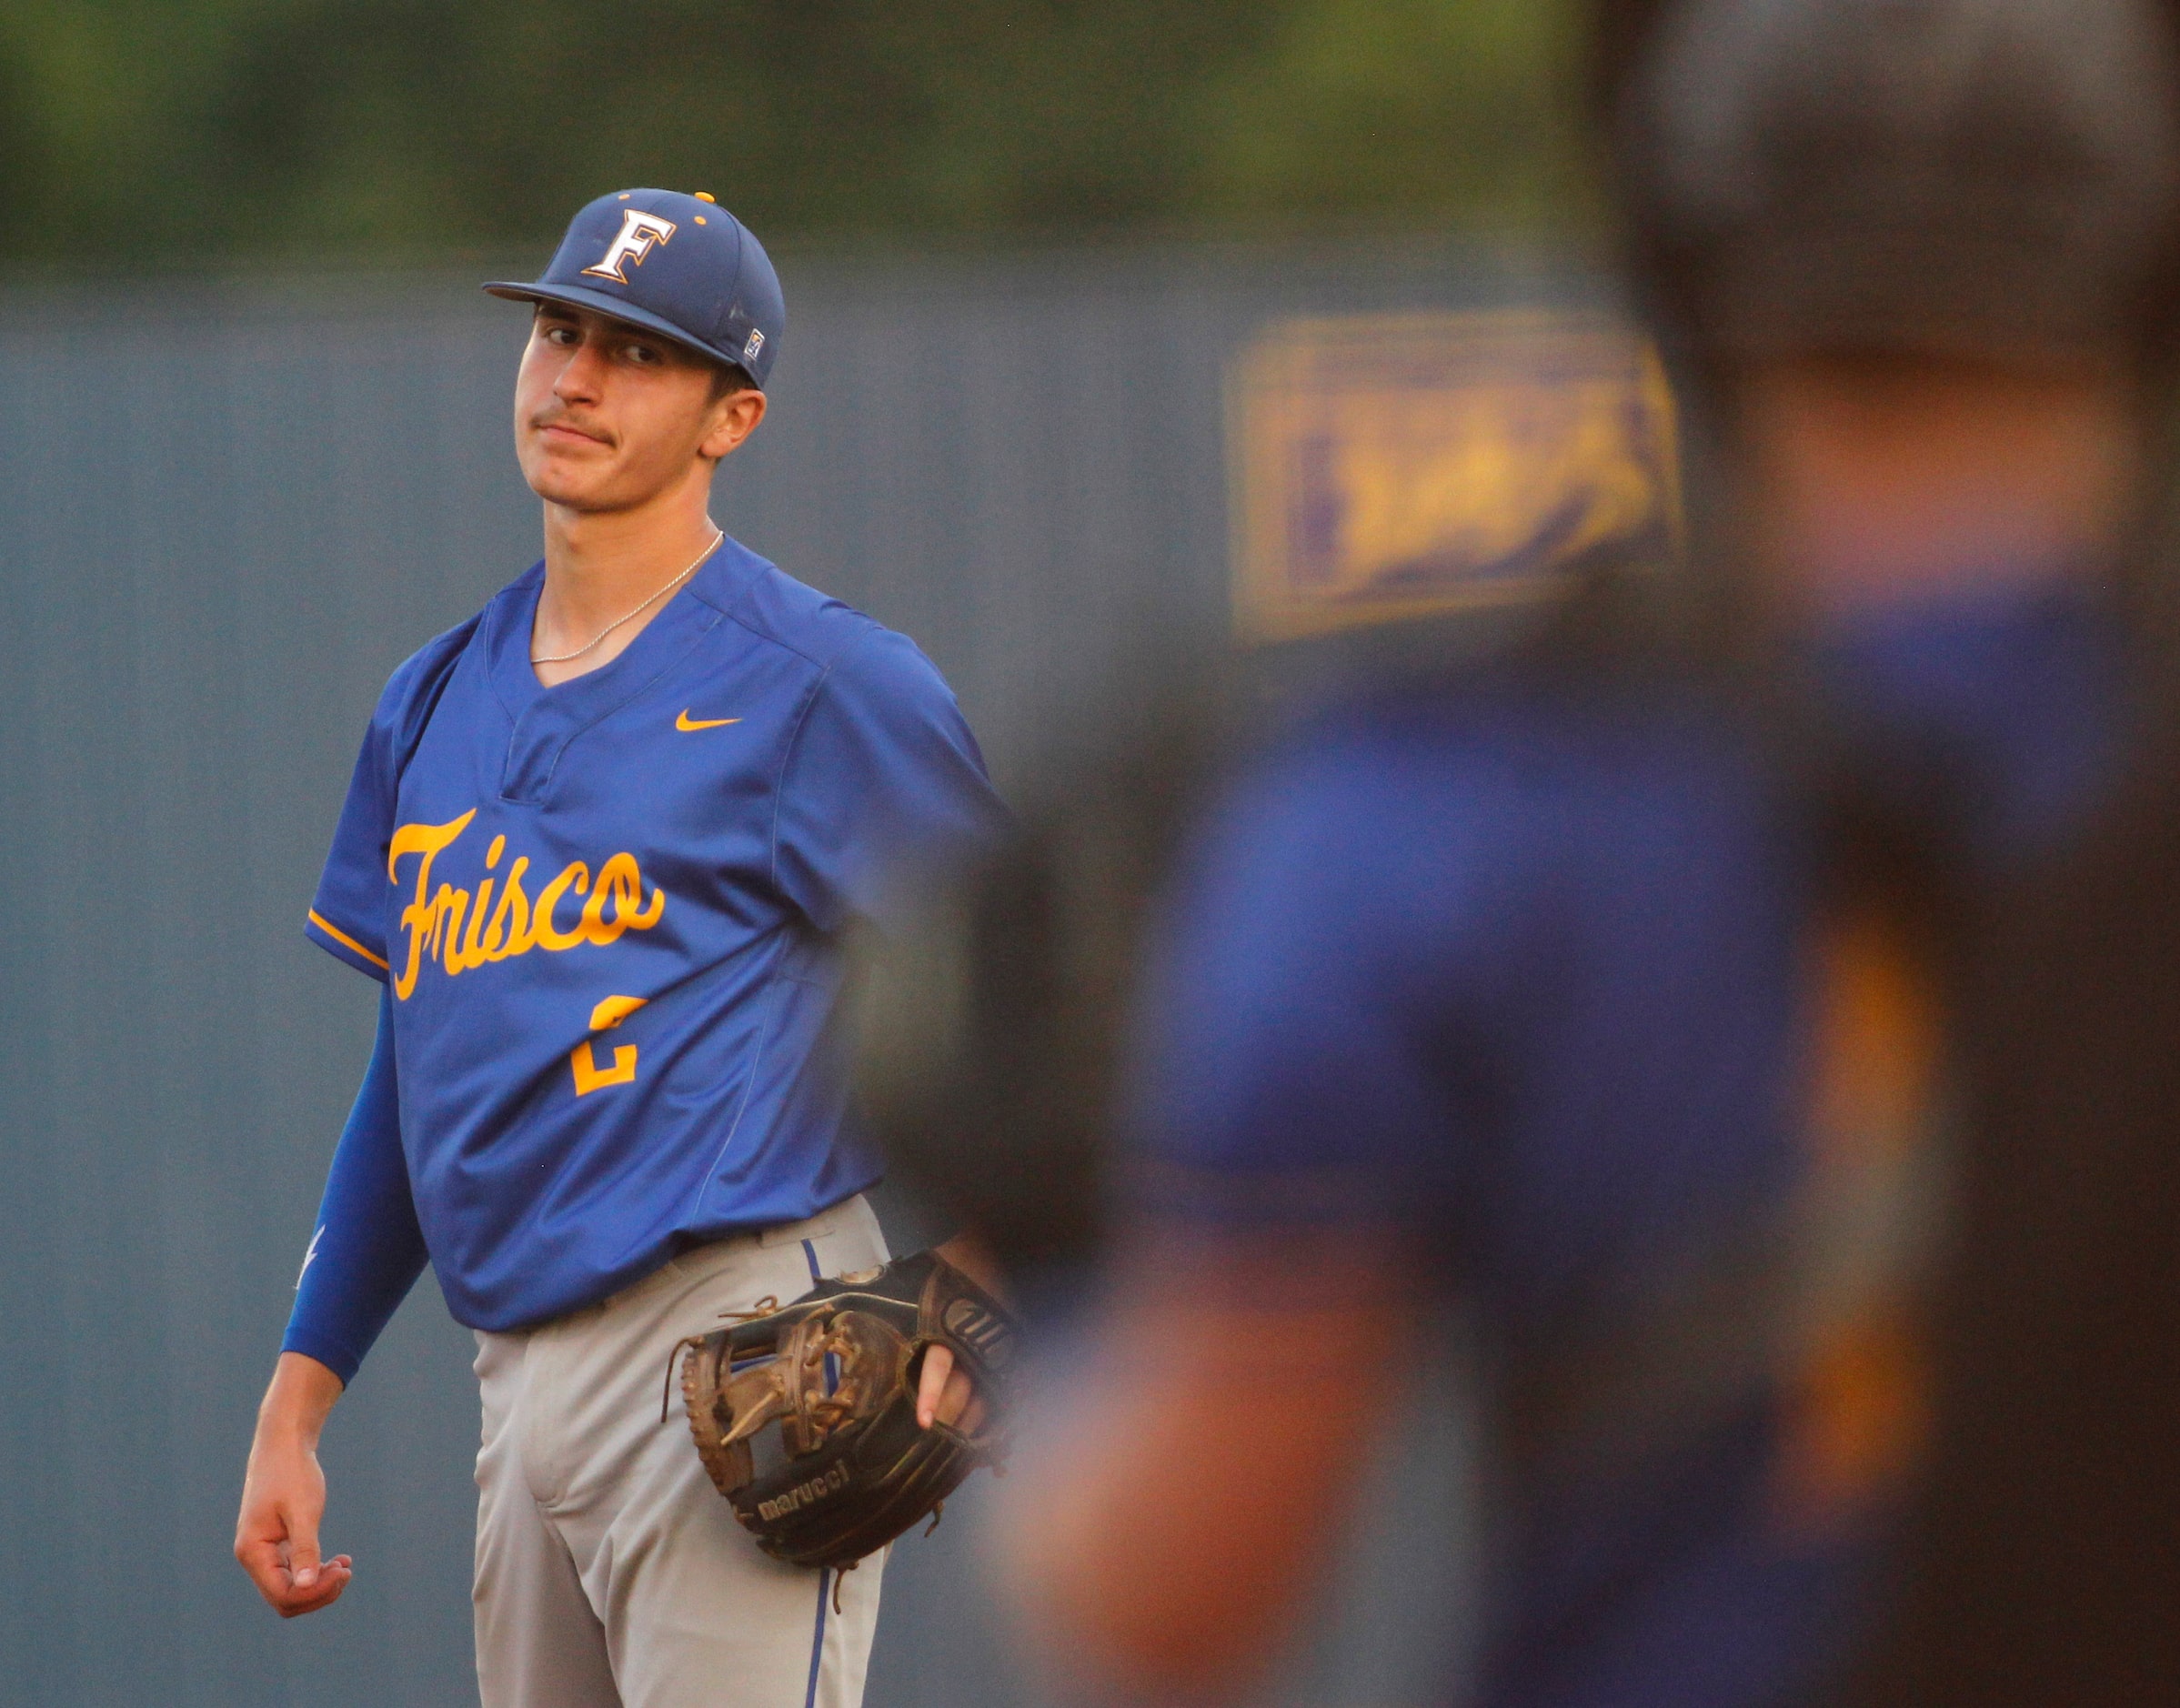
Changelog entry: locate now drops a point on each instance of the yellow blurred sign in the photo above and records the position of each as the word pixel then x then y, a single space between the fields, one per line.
pixel 1398 465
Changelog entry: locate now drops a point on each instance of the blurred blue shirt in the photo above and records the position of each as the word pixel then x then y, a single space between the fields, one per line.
pixel 1520 975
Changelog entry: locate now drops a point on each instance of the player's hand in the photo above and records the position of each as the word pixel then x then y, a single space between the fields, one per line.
pixel 945 1394
pixel 284 1494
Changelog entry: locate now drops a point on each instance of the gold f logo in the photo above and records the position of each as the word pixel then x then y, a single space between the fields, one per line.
pixel 638 232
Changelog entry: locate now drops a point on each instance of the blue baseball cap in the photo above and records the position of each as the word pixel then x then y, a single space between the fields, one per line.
pixel 679 266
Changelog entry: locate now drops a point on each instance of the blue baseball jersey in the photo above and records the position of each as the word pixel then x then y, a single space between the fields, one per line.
pixel 1524 977
pixel 608 915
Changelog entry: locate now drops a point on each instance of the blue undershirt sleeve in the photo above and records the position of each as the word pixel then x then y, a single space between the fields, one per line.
pixel 368 1249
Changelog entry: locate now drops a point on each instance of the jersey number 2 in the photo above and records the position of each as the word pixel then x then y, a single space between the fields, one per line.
pixel 590 1076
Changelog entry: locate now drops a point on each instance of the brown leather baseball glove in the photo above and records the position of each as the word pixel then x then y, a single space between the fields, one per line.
pixel 849 1468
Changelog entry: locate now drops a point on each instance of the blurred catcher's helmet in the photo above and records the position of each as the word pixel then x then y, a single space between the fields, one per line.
pixel 1957 177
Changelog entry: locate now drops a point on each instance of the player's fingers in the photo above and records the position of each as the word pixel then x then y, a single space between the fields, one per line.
pixel 302 1553
pixel 261 1546
pixel 333 1577
pixel 955 1403
pixel 930 1390
pixel 277 1544
pixel 260 1557
pixel 267 1563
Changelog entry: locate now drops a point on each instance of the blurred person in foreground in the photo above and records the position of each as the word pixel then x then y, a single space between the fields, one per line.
pixel 1607 990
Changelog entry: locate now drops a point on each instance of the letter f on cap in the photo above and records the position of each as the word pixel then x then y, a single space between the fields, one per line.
pixel 638 232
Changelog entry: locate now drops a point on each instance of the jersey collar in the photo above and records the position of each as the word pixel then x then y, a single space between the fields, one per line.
pixel 546 719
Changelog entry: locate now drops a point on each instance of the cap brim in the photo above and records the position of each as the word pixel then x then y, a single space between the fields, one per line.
pixel 614 308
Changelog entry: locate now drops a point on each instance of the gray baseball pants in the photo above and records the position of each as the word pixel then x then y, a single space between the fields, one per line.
pixel 609 1572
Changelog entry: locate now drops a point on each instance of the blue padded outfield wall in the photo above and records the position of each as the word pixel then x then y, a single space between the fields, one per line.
pixel 227 507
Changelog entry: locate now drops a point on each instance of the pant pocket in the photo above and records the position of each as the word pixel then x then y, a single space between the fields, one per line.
pixel 851 1239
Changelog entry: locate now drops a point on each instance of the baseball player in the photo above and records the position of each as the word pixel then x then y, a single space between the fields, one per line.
pixel 601 842
pixel 1556 989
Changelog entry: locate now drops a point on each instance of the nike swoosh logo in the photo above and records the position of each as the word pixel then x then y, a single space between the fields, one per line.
pixel 686 723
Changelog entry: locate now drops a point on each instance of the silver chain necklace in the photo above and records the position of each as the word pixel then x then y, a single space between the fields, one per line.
pixel 563 657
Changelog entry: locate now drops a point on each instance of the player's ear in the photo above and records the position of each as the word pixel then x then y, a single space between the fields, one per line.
pixel 733 419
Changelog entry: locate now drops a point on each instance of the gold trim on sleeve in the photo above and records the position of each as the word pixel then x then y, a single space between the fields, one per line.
pixel 346 941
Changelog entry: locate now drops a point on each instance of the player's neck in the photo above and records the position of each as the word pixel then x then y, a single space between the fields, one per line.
pixel 1895 482
pixel 601 565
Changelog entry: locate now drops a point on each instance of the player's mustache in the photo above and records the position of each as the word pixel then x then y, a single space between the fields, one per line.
pixel 555 417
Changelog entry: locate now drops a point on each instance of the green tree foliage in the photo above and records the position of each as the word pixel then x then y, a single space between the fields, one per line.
pixel 1430 107
pixel 152 130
